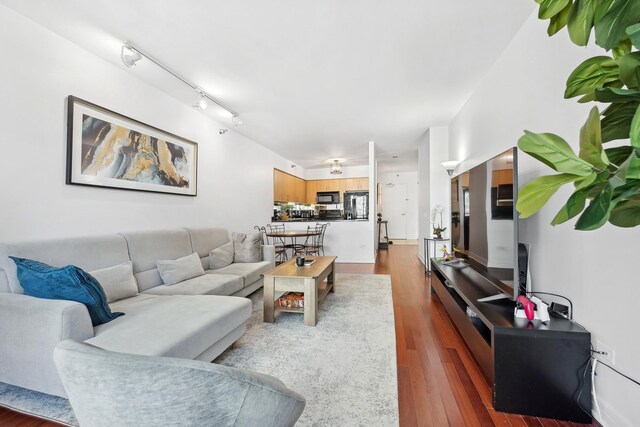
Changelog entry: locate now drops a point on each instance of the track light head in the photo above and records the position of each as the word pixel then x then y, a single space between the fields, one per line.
pixel 236 120
pixel 129 56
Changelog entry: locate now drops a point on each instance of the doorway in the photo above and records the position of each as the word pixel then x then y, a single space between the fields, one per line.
pixel 394 209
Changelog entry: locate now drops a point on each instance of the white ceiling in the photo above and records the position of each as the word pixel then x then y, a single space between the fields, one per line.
pixel 311 79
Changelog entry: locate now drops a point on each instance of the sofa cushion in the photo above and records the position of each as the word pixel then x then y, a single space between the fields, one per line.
pixel 177 326
pixel 222 256
pixel 247 247
pixel 69 283
pixel 204 240
pixel 117 281
pixel 174 271
pixel 88 253
pixel 250 271
pixel 208 284
pixel 147 247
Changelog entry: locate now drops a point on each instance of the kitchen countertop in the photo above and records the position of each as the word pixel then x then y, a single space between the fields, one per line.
pixel 321 220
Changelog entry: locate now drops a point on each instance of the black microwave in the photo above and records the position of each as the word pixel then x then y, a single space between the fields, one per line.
pixel 328 197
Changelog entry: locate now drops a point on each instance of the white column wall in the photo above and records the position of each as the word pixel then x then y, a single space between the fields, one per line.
pixel 524 90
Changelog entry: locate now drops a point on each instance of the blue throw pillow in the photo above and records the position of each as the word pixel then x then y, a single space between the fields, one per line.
pixel 67 283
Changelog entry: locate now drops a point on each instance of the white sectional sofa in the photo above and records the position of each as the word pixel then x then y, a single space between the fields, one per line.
pixel 194 319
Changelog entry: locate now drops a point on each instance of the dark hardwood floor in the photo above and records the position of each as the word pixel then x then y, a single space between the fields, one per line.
pixel 439 383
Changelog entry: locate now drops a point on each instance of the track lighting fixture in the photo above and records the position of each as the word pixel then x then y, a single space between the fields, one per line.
pixel 131 54
pixel 201 101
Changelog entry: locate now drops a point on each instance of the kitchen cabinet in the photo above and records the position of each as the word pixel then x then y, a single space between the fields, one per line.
pixel 279 185
pixel 288 188
pixel 311 191
pixel 501 177
pixel 328 185
pixel 356 184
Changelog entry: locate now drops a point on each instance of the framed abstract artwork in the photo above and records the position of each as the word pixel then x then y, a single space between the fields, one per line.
pixel 107 149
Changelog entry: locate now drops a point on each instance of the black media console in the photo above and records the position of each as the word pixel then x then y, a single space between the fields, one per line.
pixel 533 369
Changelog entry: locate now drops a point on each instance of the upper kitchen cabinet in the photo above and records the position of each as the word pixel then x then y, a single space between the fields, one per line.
pixel 328 185
pixel 312 189
pixel 288 188
pixel 356 184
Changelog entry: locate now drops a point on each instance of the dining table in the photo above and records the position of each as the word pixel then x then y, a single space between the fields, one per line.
pixel 293 235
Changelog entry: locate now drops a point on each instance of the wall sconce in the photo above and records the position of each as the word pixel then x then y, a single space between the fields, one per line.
pixel 450 166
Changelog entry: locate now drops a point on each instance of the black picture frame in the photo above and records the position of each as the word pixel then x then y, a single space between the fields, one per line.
pixel 107 149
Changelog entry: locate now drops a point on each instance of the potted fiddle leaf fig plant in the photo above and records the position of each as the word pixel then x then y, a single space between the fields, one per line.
pixel 606 180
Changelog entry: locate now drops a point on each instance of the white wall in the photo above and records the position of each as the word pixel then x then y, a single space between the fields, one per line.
pixel 595 269
pixel 424 193
pixel 347 172
pixel 410 179
pixel 235 183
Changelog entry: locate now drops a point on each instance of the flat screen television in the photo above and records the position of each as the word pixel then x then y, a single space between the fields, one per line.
pixel 484 222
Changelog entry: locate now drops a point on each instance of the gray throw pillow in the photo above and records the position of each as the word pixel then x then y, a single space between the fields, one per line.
pixel 247 247
pixel 175 271
pixel 118 281
pixel 221 257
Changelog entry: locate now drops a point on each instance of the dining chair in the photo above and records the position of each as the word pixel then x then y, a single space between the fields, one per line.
pixel 277 242
pixel 323 229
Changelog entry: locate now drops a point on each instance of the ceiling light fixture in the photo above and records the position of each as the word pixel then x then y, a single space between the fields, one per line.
pixel 450 166
pixel 236 120
pixel 131 54
pixel 201 101
pixel 335 168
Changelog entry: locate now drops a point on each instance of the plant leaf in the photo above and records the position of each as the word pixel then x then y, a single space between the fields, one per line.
pixel 555 153
pixel 626 213
pixel 575 205
pixel 616 122
pixel 591 142
pixel 621 49
pixel 630 69
pixel 581 21
pixel 617 155
pixel 602 8
pixel 590 75
pixel 627 191
pixel 634 132
pixel 550 8
pixel 586 182
pixel 559 21
pixel 633 168
pixel 533 196
pixel 616 95
pixel 611 29
pixel 633 31
pixel 597 213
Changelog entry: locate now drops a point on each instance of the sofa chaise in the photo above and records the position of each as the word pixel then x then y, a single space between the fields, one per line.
pixel 196 318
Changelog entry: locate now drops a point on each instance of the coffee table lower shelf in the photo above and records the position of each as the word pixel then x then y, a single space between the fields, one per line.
pixel 310 281
pixel 323 289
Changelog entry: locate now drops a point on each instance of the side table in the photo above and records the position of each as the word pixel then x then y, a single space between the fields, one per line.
pixel 428 241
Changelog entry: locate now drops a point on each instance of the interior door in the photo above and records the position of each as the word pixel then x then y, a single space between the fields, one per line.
pixel 394 209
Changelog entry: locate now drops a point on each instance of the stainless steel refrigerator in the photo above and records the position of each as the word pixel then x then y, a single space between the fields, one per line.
pixel 356 205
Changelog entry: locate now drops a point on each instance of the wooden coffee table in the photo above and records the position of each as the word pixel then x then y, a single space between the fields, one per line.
pixel 309 280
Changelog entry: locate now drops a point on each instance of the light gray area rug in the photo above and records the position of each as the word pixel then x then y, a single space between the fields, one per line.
pixel 37 404
pixel 345 366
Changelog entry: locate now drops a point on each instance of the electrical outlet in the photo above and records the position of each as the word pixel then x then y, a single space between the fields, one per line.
pixel 609 357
